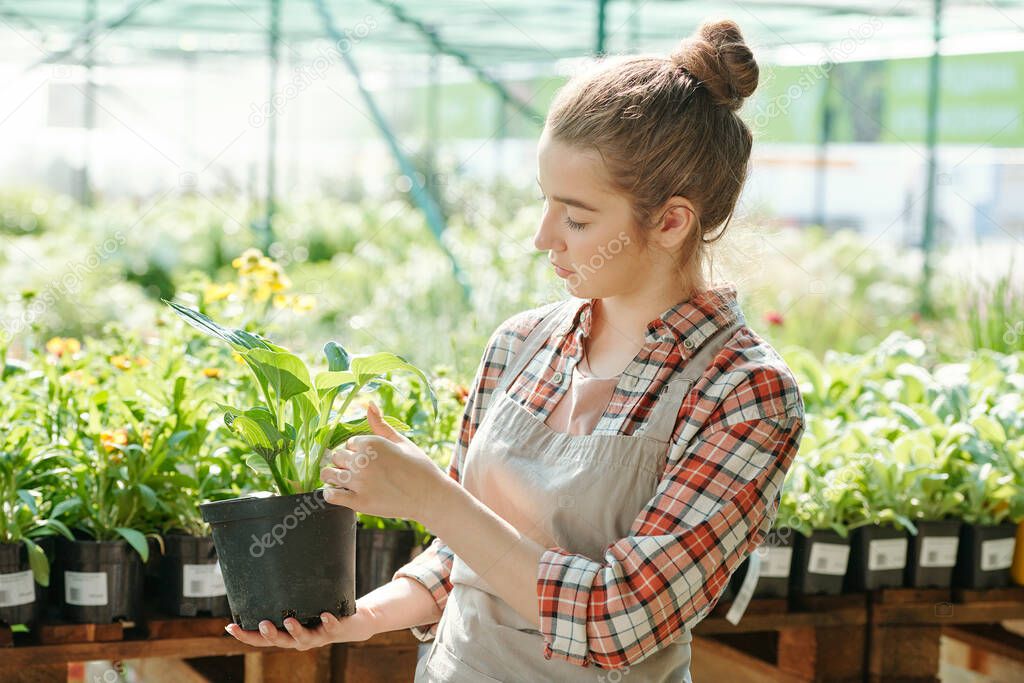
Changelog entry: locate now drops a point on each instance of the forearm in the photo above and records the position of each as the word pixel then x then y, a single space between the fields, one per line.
pixel 399 604
pixel 493 548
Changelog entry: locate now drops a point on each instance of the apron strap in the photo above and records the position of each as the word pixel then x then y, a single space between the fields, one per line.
pixel 534 341
pixel 666 409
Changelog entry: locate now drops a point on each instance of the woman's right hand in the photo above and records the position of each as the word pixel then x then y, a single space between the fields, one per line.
pixel 356 627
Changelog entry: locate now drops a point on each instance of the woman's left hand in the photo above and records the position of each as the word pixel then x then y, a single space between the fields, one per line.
pixel 383 474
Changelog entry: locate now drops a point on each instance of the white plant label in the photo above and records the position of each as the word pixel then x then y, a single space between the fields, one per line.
pixel 203 581
pixel 17 589
pixel 828 558
pixel 996 554
pixel 85 589
pixel 775 561
pixel 746 591
pixel 939 551
pixel 887 553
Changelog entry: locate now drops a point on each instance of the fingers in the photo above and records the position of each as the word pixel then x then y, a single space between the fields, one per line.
pixel 342 497
pixel 266 636
pixel 305 639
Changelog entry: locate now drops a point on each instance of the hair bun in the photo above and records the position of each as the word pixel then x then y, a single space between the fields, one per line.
pixel 717 56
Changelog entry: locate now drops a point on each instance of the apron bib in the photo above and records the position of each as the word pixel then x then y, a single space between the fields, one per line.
pixel 577 492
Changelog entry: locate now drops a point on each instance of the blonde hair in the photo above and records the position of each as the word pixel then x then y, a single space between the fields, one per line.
pixel 668 127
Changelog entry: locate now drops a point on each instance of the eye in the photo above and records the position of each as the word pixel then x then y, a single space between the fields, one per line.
pixel 573 225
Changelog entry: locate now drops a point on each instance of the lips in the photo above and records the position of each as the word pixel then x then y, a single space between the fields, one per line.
pixel 564 272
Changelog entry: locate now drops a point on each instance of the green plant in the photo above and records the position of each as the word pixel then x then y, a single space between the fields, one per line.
pixel 26 514
pixel 295 424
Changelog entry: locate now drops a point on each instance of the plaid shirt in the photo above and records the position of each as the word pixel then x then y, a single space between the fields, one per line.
pixel 736 435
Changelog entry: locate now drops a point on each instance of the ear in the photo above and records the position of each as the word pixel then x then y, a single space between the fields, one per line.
pixel 678 219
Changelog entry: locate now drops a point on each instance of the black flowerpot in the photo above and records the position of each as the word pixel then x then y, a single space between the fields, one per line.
pixel 878 558
pixel 102 581
pixel 984 555
pixel 776 556
pixel 21 599
pixel 931 556
pixel 379 554
pixel 152 567
pixel 286 556
pixel 191 583
pixel 819 563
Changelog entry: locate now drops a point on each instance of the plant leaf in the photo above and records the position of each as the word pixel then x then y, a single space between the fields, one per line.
pixel 285 372
pixel 136 539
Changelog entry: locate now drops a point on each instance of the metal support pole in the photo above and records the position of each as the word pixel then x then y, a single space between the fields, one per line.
pixel 420 193
pixel 273 49
pixel 433 115
pixel 90 31
pixel 602 18
pixel 821 165
pixel 88 110
pixel 931 139
pixel 464 59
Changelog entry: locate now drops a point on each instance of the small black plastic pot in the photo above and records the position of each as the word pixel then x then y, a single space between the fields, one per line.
pixel 21 598
pixel 285 556
pixel 931 556
pixel 102 581
pixel 379 554
pixel 978 552
pixel 821 570
pixel 191 583
pixel 151 568
pixel 776 553
pixel 878 558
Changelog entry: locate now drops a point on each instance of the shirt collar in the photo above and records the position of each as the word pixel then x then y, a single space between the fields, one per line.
pixel 687 323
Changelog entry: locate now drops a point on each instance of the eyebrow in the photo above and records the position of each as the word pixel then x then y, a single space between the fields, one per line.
pixel 569 200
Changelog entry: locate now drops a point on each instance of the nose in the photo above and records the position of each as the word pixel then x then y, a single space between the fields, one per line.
pixel 547 237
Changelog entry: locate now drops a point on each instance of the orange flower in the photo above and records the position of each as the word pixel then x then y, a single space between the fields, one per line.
pixel 59 346
pixel 121 362
pixel 462 393
pixel 114 440
pixel 214 373
pixel 141 361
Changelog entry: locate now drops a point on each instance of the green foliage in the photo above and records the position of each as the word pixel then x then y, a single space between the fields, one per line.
pixel 295 424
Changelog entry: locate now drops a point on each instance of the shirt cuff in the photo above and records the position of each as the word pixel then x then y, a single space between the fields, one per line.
pixel 563 589
pixel 432 575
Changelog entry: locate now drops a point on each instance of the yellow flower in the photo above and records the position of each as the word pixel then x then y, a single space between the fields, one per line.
pixel 303 303
pixel 249 259
pixel 214 372
pixel 141 361
pixel 114 440
pixel 282 301
pixel 238 358
pixel 121 362
pixel 147 437
pixel 217 292
pixel 59 346
pixel 262 294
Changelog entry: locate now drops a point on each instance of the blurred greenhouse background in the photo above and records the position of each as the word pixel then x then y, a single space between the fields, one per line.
pixel 380 156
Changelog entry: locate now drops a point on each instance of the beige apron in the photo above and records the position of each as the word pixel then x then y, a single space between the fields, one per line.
pixel 578 492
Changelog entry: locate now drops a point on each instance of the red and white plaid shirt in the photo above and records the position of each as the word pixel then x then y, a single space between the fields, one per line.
pixel 735 438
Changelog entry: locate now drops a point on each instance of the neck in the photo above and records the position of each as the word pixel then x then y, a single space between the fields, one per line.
pixel 626 316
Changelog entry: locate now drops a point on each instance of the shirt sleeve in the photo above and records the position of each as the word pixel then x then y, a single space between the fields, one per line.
pixel 713 507
pixel 433 567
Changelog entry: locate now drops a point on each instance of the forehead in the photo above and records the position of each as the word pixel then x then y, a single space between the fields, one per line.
pixel 566 165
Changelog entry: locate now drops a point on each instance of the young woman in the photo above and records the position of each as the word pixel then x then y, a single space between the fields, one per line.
pixel 622 450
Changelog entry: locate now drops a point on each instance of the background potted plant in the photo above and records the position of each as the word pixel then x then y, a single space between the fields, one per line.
pixel 27 519
pixel 267 541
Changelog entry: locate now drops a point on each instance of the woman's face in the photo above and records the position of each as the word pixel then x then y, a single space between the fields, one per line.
pixel 587 228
